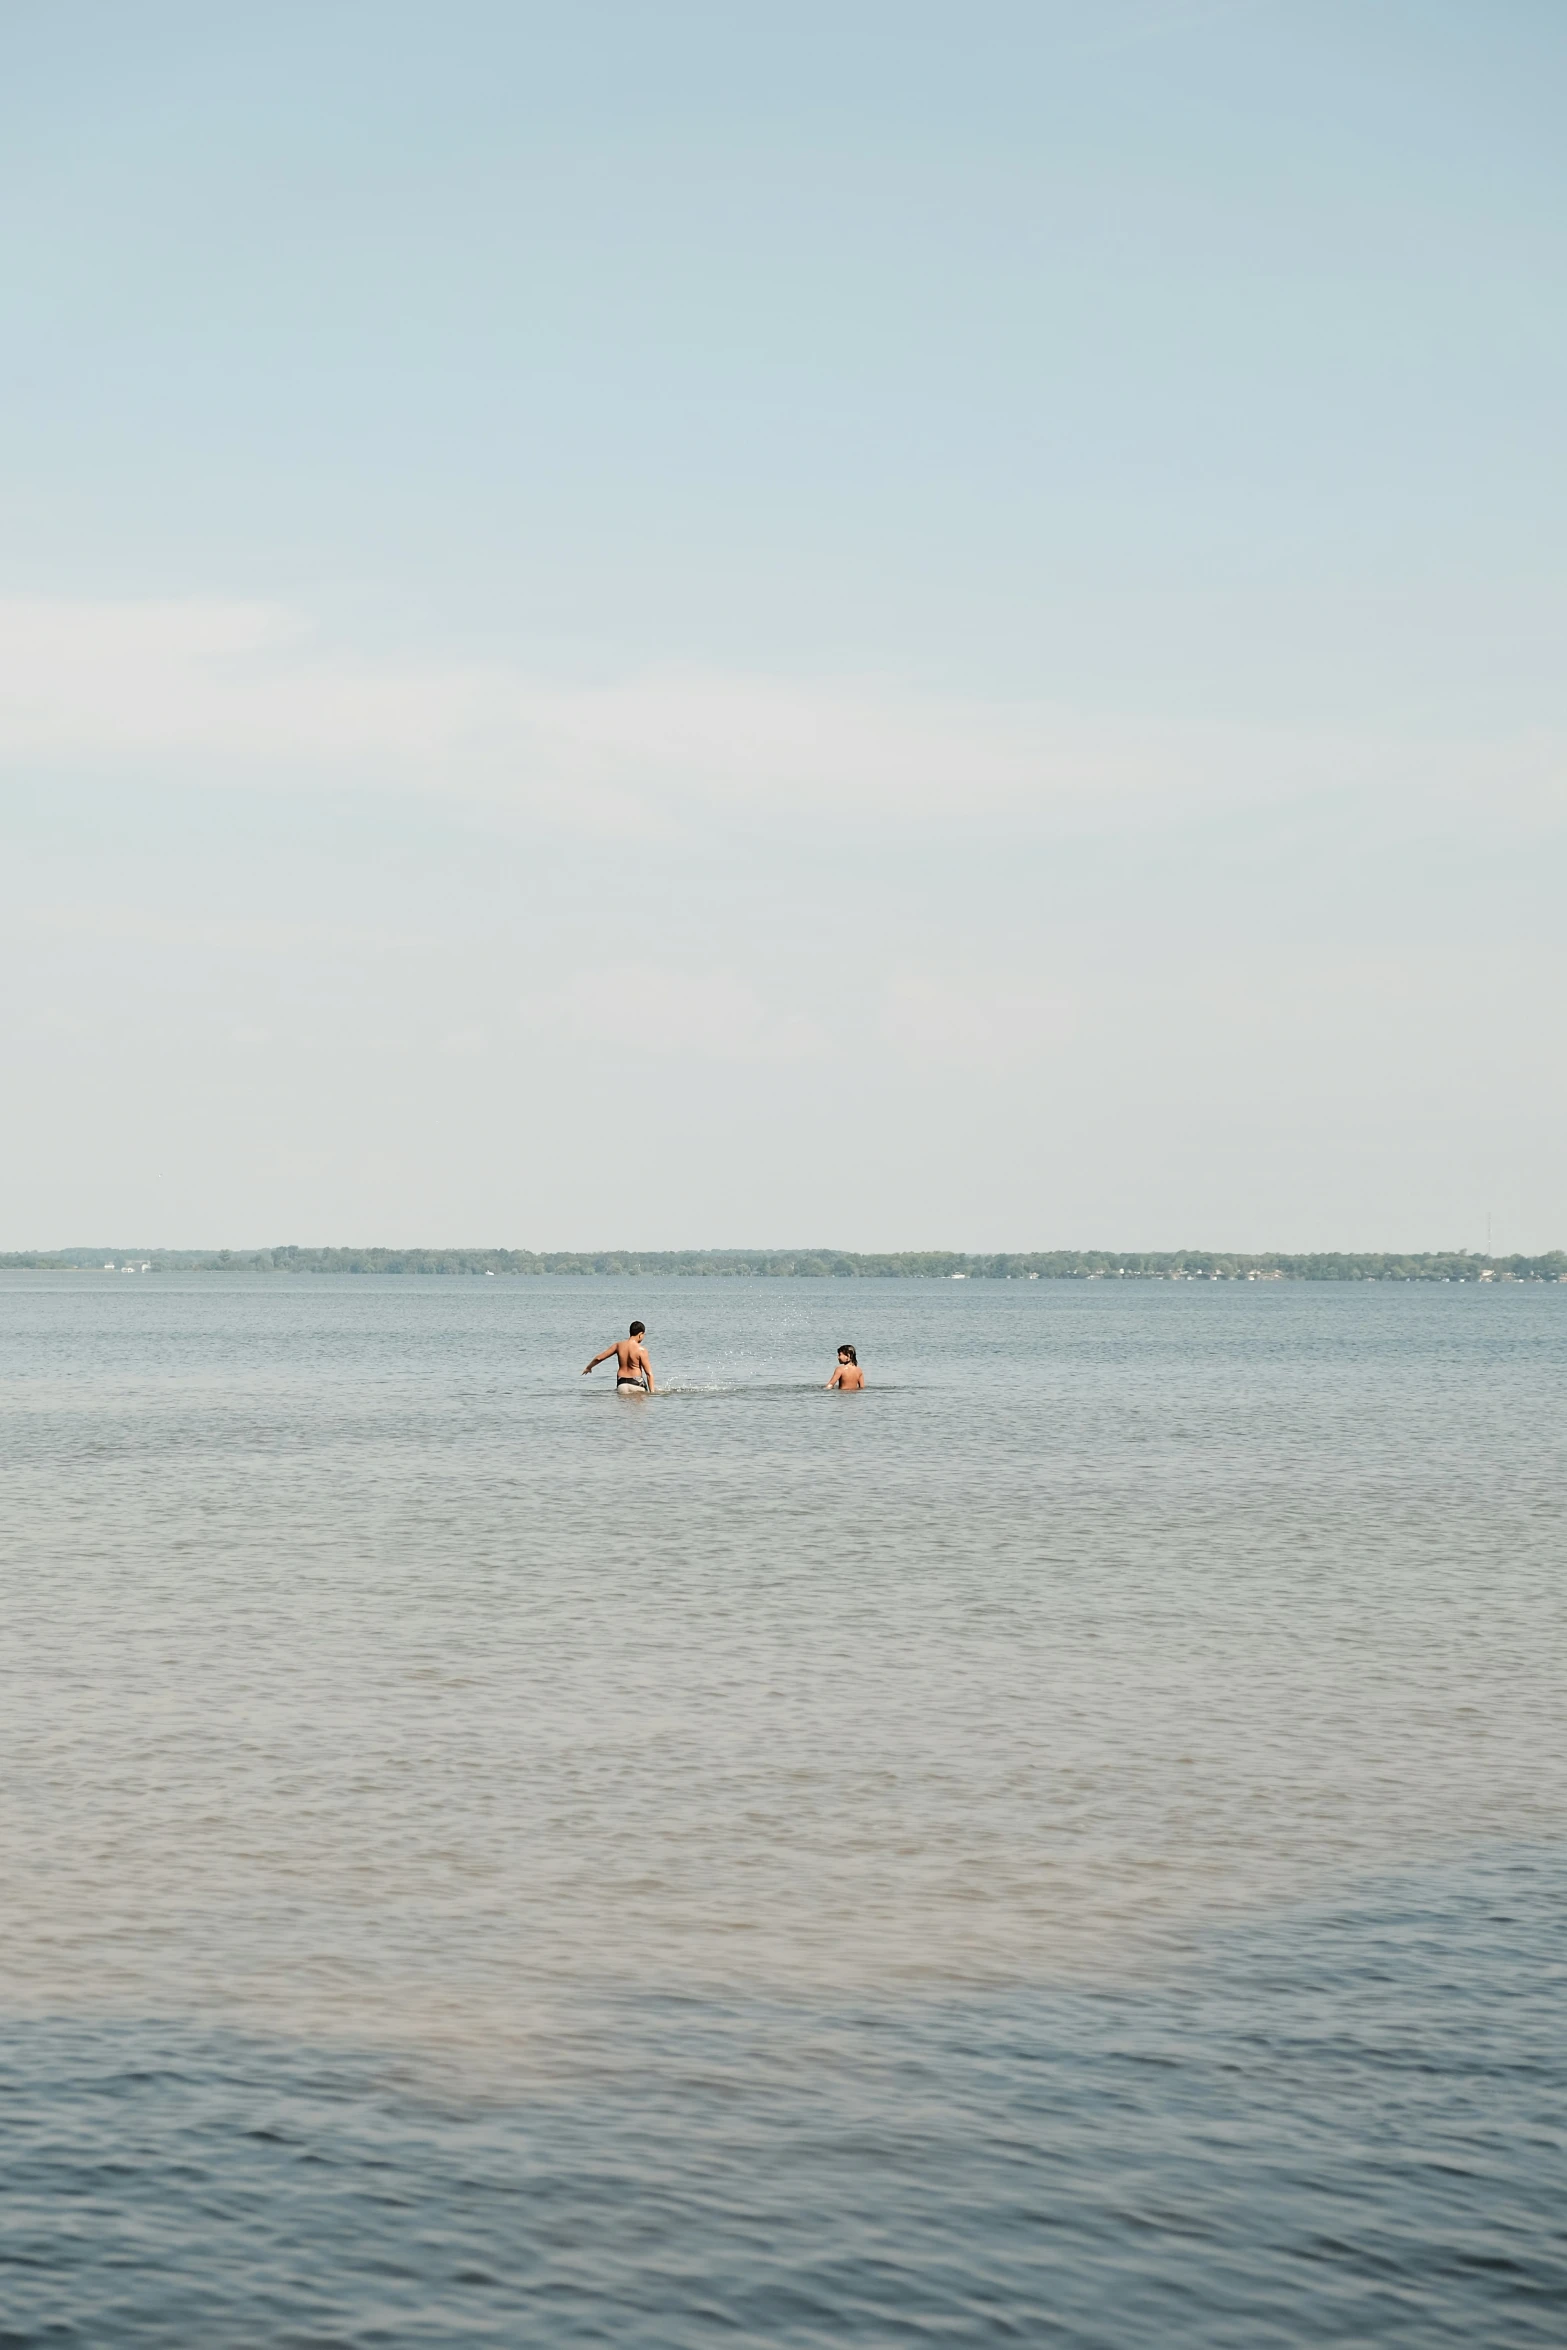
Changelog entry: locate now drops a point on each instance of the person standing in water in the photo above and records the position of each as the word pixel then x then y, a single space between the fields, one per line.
pixel 848 1375
pixel 633 1371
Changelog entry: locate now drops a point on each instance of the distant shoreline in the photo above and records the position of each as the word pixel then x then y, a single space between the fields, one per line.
pixel 815 1264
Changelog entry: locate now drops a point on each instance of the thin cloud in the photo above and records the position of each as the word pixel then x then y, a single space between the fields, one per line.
pixel 642 1008
pixel 241 693
pixel 219 933
pixel 992 1025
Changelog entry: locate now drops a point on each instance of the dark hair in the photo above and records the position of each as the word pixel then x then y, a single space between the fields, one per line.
pixel 637 1329
pixel 853 1357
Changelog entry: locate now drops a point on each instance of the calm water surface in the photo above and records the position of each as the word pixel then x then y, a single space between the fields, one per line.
pixel 1068 1845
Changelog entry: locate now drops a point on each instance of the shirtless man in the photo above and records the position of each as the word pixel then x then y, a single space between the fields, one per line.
pixel 633 1371
pixel 848 1375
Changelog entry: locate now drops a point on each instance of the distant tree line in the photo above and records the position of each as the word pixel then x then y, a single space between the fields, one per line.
pixel 825 1263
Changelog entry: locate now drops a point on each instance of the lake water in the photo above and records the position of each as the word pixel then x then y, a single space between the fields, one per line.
pixel 1067 1846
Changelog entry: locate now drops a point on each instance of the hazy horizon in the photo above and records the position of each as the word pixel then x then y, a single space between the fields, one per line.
pixel 689 620
pixel 763 1252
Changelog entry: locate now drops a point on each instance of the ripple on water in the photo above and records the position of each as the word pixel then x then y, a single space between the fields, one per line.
pixel 613 1873
pixel 1347 2128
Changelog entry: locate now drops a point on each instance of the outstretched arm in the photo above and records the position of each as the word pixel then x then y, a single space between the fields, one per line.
pixel 597 1359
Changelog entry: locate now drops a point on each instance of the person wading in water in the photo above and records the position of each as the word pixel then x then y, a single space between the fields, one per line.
pixel 633 1371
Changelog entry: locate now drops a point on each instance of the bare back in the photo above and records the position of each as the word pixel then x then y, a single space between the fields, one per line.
pixel 633 1365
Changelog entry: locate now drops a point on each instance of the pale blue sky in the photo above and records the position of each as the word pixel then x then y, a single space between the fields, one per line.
pixel 956 613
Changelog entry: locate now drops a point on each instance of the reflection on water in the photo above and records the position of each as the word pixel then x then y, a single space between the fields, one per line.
pixel 376 1684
